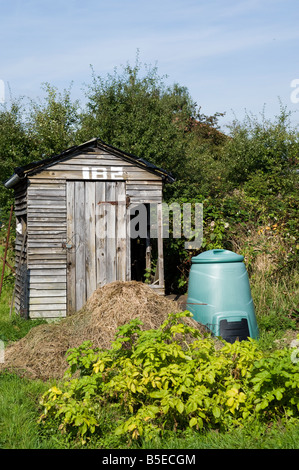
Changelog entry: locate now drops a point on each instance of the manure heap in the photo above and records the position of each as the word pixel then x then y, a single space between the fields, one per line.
pixel 41 353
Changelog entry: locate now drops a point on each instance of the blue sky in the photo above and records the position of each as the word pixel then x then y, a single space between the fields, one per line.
pixel 232 55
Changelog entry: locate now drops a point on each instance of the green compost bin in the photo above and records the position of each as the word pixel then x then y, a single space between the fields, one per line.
pixel 219 295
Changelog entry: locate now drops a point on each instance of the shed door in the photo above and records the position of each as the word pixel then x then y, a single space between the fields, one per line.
pixel 96 237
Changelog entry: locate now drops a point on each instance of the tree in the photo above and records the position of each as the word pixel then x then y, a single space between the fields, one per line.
pixel 264 148
pixel 140 115
pixel 14 148
pixel 33 131
pixel 52 123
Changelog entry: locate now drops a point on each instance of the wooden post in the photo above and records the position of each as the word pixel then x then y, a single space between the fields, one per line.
pixel 6 248
pixel 160 262
pixel 148 248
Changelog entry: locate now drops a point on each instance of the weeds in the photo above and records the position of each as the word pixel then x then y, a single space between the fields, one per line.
pixel 162 383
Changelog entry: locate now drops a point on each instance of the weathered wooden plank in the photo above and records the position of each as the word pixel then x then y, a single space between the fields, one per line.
pixel 59 313
pixel 46 251
pixel 40 185
pixel 101 227
pixel 54 243
pixel 71 255
pixel 133 173
pixel 76 163
pixel 51 307
pixel 50 191
pixel 18 245
pixel 34 225
pixel 48 306
pixel 45 244
pixel 39 202
pixel 51 225
pixel 51 216
pixel 19 213
pixel 40 267
pixel 47 279
pixel 47 210
pixel 90 238
pixel 47 293
pixel 54 235
pixel 145 200
pixel 121 232
pixel 98 154
pixel 48 315
pixel 20 204
pixel 46 259
pixel 48 300
pixel 142 193
pixel 35 232
pixel 160 290
pixel 21 207
pixel 36 179
pixel 48 286
pixel 60 240
pixel 48 272
pixel 80 245
pixel 44 227
pixel 47 221
pixel 48 188
pixel 147 185
pixel 111 233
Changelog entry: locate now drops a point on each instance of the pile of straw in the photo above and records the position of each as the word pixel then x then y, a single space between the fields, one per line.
pixel 41 353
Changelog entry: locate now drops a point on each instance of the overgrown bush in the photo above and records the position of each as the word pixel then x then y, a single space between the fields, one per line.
pixel 172 378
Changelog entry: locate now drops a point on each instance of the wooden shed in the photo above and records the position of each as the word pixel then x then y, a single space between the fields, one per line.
pixel 73 213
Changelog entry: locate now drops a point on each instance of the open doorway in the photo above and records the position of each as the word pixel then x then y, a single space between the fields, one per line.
pixel 143 248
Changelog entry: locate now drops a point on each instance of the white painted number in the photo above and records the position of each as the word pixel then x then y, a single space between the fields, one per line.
pixel 99 174
pixel 114 173
pixel 117 173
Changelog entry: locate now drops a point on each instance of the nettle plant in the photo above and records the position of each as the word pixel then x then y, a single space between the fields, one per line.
pixel 171 378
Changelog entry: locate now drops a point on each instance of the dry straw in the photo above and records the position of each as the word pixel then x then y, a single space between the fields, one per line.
pixel 41 353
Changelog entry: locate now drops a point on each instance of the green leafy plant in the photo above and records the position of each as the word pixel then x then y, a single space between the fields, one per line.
pixel 161 380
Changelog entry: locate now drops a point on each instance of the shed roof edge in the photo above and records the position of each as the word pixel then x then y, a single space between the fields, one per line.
pixel 34 167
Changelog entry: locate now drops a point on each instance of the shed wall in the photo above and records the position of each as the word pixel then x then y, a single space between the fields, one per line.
pixel 97 165
pixel 49 229
pixel 46 257
pixel 20 245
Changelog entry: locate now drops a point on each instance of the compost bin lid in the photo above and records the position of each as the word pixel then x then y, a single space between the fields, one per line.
pixel 217 256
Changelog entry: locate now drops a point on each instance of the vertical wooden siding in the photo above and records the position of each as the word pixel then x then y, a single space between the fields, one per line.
pixel 96 238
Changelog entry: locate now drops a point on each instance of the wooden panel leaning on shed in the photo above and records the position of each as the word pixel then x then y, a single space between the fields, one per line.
pixel 73 214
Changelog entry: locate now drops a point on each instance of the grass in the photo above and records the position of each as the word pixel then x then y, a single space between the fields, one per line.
pixel 19 428
pixel 252 436
pixel 13 327
pixel 18 413
pixel 276 304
